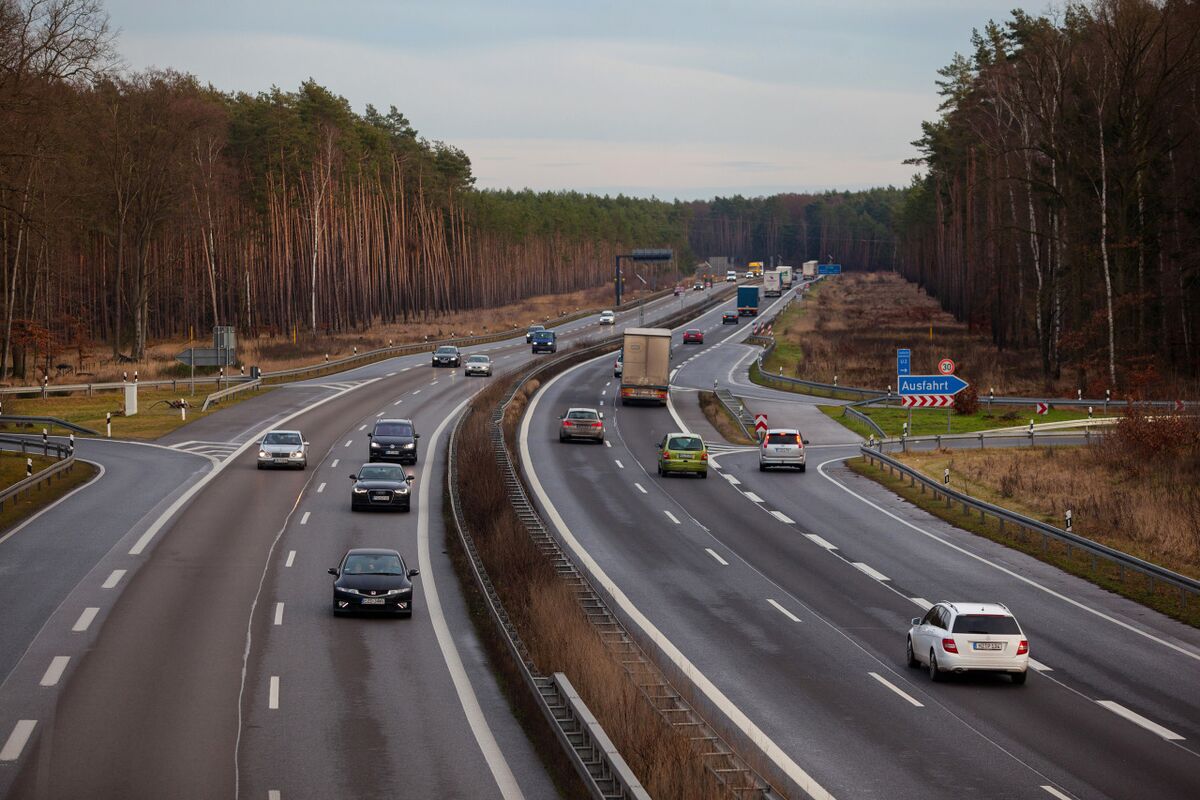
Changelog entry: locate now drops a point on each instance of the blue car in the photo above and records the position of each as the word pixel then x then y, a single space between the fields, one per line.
pixel 544 342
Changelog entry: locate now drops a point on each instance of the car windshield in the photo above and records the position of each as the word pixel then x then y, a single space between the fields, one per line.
pixel 381 472
pixel 783 438
pixel 986 623
pixel 394 429
pixel 448 350
pixel 536 328
pixel 282 438
pixel 373 564
pixel 477 360
pixel 685 443
pixel 582 415
pixel 544 336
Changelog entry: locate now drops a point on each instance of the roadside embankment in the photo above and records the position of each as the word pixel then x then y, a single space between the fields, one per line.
pixel 13 470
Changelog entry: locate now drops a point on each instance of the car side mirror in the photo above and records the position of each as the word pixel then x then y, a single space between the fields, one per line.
pixel 414 572
pixel 410 478
pixel 353 477
pixel 916 621
pixel 601 415
pixel 370 435
pixel 306 444
pixel 333 571
pixel 416 436
pixel 805 441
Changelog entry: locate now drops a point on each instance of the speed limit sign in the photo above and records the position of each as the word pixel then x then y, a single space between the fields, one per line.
pixel 946 366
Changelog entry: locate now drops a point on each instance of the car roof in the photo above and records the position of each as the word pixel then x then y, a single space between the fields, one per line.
pixel 693 330
pixel 582 408
pixel 606 311
pixel 783 430
pixel 394 419
pixel 685 433
pixel 283 430
pixel 447 347
pixel 993 609
pixel 537 327
pixel 372 551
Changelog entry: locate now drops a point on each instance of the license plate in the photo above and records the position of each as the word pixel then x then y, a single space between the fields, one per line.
pixel 380 497
pixel 393 452
pixel 372 601
pixel 988 645
pixel 280 460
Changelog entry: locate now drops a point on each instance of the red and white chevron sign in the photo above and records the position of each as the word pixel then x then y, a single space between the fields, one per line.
pixel 1043 408
pixel 927 401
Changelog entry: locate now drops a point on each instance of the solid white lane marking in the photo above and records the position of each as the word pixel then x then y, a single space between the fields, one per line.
pixel 715 555
pixel 304 519
pixel 1005 570
pixel 17 739
pixel 501 772
pixel 923 603
pixel 618 463
pixel 671 516
pixel 821 542
pixel 869 570
pixel 348 443
pixel 752 497
pixel 291 559
pixel 640 488
pixel 732 480
pixel 333 464
pixel 1039 666
pixel 55 670
pixel 896 689
pixel 113 579
pixel 1138 719
pixel 1056 793
pixel 273 701
pixel 783 611
pixel 782 517
pixel 320 488
pixel 362 427
pixel 85 619
pixel 279 613
pixel 46 509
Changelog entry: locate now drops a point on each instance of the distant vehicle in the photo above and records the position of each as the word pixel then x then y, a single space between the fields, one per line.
pixel 283 449
pixel 708 284
pixel 750 275
pixel 785 277
pixel 781 447
pixel 645 372
pixel 771 283
pixel 544 342
pixel 384 486
pixel 478 364
pixel 393 440
pixel 747 300
pixel 447 356
pixel 682 452
pixel 531 331
pixel 582 423
pixel 969 637
pixel 374 581
pixel 618 364
pixel 731 276
pixel 698 286
pixel 809 269
pixel 678 291
pixel 609 318
pixel 755 269
pixel 730 318
pixel 693 336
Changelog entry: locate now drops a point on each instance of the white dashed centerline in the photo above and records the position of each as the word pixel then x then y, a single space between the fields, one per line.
pixel 334 463
pixel 618 463
pixel 273 700
pixel 362 427
pixel 1138 719
pixel 640 488
pixel 348 443
pixel 896 689
pixel 320 488
pixel 17 739
pixel 113 579
pixel 752 497
pixel 607 443
pixel 416 391
pixel 867 569
pixel 1056 793
pixel 1039 666
pixel 779 515
pixel 291 559
pixel 279 613
pixel 398 402
pixel 783 611
pixel 817 540
pixel 714 554
pixel 671 516
pixel 304 519
pixel 85 619
pixel 732 480
pixel 55 670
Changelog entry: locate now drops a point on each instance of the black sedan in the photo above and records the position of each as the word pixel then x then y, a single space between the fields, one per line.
pixel 447 356
pixel 381 486
pixel 374 581
pixel 729 318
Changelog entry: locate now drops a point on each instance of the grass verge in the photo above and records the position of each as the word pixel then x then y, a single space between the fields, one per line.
pixel 930 421
pixel 1100 572
pixel 12 470
pixel 764 379
pixel 720 418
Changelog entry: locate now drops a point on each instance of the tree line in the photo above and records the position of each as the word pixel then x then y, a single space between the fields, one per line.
pixel 1057 209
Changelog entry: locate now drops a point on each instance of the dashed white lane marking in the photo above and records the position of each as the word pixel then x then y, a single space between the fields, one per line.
pixel 304 519
pixel 432 384
pixel 273 701
pixel 715 555
pixel 416 391
pixel 291 559
pixel 609 383
pixel 618 463
pixel 348 443
pixel 334 463
pixel 406 369
pixel 779 515
pixel 867 569
pixel 817 540
pixel 732 480
pixel 320 488
pixel 896 689
pixel 273 794
pixel 279 613
pixel 922 602
pixel 361 428
pixel 640 488
pixel 398 402
pixel 604 391
pixel 85 619
pixel 113 579
pixel 55 670
pixel 380 414
pixel 17 739
pixel 783 611
pixel 1138 719
pixel 1039 666
pixel 671 516
pixel 391 374
pixel 752 497
pixel 607 443
pixel 1056 793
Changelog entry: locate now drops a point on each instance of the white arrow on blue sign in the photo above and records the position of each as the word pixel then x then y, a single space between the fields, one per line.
pixel 903 361
pixel 930 384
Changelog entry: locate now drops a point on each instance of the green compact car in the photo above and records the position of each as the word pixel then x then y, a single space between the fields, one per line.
pixel 684 453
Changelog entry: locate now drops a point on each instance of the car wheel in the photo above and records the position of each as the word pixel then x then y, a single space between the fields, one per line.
pixel 1018 678
pixel 704 475
pixel 407 508
pixel 260 466
pixel 802 467
pixel 336 612
pixel 912 657
pixel 660 471
pixel 935 674
pixel 762 467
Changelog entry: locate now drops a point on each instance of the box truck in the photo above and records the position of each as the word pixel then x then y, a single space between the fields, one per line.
pixel 771 283
pixel 785 277
pixel 646 368
pixel 747 300
pixel 810 269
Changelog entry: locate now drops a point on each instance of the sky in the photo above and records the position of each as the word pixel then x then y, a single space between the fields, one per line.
pixel 663 98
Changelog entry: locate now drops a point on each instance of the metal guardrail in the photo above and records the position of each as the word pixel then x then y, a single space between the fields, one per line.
pixel 738 410
pixel 861 417
pixel 66 462
pixel 1153 572
pixel 1026 435
pixel 17 419
pixel 71 388
pixel 218 396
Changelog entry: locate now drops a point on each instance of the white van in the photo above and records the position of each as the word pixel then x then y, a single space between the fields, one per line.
pixel 731 276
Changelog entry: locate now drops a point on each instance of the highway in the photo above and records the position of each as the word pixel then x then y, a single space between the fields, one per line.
pixel 177 639
pixel 791 593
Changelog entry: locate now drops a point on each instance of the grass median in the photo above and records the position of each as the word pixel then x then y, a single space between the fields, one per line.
pixel 28 503
pixel 931 422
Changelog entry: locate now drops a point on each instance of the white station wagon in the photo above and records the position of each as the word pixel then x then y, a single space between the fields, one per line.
pixel 968 637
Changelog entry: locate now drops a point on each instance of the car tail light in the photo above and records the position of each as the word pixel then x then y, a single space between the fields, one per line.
pixel 704 456
pixel 566 423
pixel 1023 647
pixel 800 441
pixel 949 646
pixel 597 424
pixel 667 454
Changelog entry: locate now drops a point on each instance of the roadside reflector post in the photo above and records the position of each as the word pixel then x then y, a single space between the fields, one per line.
pixel 1079 394
pixel 781 370
pixel 327 354
pixel 1069 520
pixel 124 376
pixel 904 432
pixel 946 477
pixel 835 380
pixel 355 349
pixel 1031 428
pixel 71 443
pixel 45 385
pixel 1089 412
pixel 991 397
pixel 135 376
pixel 28 467
pixel 108 424
pixel 182 410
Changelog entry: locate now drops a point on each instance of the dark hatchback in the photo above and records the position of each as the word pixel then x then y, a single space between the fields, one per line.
pixel 373 581
pixel 545 342
pixel 383 486
pixel 393 440
pixel 729 318
pixel 447 356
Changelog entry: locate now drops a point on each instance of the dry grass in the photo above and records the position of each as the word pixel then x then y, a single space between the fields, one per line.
pixel 851 327
pixel 721 419
pixel 557 633
pixel 12 470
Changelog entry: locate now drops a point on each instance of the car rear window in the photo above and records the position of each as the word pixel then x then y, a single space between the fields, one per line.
pixel 783 438
pixel 582 415
pixel 986 623
pixel 394 429
pixel 685 443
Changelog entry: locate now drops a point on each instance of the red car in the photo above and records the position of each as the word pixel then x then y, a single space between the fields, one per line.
pixel 693 336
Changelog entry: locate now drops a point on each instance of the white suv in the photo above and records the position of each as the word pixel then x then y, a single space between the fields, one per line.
pixel 731 276
pixel 608 318
pixel 969 637
pixel 781 447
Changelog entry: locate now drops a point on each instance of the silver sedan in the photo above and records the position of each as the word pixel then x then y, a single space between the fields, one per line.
pixel 478 364
pixel 283 449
